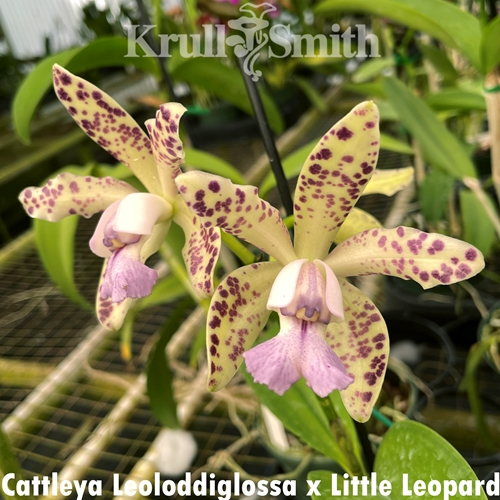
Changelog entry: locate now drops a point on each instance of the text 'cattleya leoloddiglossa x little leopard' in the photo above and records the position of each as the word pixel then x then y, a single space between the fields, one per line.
pixel 134 224
pixel 330 333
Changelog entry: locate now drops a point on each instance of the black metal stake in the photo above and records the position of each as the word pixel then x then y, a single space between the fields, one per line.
pixel 267 139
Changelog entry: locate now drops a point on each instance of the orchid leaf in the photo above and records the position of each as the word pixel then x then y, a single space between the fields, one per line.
pixel 55 244
pixel 101 53
pixel 391 144
pixel 478 228
pixel 409 450
pixel 456 99
pixel 311 93
pixel 165 291
pixel 10 465
pixel 490 48
pixel 438 58
pixel 159 376
pixel 300 412
pixel 438 18
pixel 371 68
pixel 369 89
pixel 227 84
pixel 201 160
pixel 412 448
pixel 439 146
pixel 434 194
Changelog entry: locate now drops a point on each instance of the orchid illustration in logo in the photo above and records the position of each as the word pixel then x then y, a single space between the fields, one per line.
pixel 252 28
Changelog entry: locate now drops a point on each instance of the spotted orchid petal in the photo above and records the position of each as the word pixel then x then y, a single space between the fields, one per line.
pixel 427 258
pixel 112 314
pixel 108 124
pixel 299 350
pixel 390 181
pixel 237 210
pixel 70 194
pixel 333 178
pixel 362 344
pixel 357 221
pixel 167 145
pixel 201 248
pixel 237 315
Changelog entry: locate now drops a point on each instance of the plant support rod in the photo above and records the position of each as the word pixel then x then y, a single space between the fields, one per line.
pixel 268 140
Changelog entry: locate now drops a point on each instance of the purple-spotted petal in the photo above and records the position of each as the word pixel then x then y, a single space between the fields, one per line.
pixel 111 315
pixel 362 344
pixel 427 258
pixel 237 315
pixel 167 146
pixel 69 194
pixel 333 178
pixel 201 248
pixel 237 210
pixel 108 124
pixel 299 350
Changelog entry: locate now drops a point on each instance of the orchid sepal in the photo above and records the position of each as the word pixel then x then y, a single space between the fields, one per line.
pixel 108 124
pixel 333 178
pixel 70 194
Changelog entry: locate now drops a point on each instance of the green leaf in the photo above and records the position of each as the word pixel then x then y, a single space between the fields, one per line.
pixel 371 68
pixel 438 18
pixel 348 425
pixel 439 146
pixel 311 93
pixel 166 290
pixel 159 375
pixel 408 449
pixel 227 84
pixel 412 448
pixel 439 59
pixel 9 464
pixel 300 412
pixel 456 99
pixel 32 90
pixel 478 228
pixel 55 245
pixel 391 144
pixel 371 89
pixel 490 46
pixel 100 53
pixel 207 162
pixel 434 194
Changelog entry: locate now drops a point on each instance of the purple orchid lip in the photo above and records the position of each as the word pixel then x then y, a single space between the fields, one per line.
pixel 126 277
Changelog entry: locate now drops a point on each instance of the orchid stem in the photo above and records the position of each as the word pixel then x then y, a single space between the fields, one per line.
pixel 240 250
pixel 267 139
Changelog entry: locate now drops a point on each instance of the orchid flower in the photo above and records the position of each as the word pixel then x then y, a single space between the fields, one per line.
pixel 134 224
pixel 331 334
